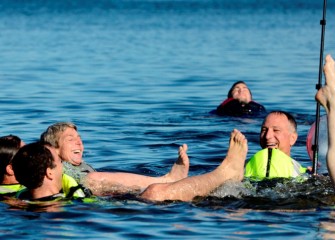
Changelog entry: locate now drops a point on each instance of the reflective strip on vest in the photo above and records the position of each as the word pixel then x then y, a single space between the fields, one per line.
pixel 10 188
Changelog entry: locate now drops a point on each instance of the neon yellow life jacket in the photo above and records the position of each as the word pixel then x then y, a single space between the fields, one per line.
pixel 272 163
pixel 71 188
pixel 10 188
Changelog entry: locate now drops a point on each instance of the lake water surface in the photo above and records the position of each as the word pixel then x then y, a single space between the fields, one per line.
pixel 139 78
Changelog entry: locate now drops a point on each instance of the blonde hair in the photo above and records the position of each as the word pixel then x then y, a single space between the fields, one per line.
pixel 52 133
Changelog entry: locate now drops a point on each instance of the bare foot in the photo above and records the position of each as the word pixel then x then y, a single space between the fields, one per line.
pixel 232 166
pixel 180 167
pixel 326 94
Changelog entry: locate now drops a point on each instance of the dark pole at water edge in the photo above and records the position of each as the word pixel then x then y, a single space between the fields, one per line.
pixel 318 86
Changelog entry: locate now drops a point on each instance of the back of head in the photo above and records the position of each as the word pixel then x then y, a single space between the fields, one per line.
pixel 30 164
pixel 51 134
pixel 9 145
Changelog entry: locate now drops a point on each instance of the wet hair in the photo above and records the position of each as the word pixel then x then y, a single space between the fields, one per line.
pixel 230 93
pixel 30 164
pixel 9 146
pixel 289 116
pixel 51 134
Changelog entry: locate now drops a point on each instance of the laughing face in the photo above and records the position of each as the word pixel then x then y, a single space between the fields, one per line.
pixel 278 132
pixel 70 146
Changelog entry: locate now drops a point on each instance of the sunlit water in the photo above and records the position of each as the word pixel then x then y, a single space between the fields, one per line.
pixel 139 78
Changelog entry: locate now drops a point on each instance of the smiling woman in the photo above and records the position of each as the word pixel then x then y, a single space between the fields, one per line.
pixel 64 137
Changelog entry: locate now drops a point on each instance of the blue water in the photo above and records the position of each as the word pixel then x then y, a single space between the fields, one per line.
pixel 139 78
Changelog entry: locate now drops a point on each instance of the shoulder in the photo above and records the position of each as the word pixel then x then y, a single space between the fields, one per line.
pixel 257 106
pixel 232 107
pixel 83 167
pixel 10 188
pixel 77 172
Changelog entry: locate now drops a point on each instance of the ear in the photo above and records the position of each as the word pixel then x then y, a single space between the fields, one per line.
pixel 9 170
pixel 49 174
pixel 293 138
pixel 56 150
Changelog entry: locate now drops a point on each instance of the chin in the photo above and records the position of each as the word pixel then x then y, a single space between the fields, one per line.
pixel 76 163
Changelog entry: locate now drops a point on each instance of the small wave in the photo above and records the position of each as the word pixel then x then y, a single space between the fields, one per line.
pixel 273 194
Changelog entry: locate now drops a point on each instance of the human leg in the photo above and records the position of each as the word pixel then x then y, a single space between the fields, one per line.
pixel 105 183
pixel 232 168
pixel 326 97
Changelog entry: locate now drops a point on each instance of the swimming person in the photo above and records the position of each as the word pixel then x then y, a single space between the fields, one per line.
pixel 277 136
pixel 39 168
pixel 9 145
pixel 325 96
pixel 239 102
pixel 65 138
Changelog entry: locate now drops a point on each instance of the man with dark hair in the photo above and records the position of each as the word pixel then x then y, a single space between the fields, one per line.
pixel 38 167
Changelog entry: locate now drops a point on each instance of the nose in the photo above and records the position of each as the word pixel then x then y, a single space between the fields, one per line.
pixel 245 90
pixel 269 133
pixel 78 141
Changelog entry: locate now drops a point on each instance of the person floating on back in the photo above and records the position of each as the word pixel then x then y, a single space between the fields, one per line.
pixel 239 102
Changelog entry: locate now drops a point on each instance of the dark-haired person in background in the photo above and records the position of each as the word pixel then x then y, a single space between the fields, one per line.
pixel 9 145
pixel 239 102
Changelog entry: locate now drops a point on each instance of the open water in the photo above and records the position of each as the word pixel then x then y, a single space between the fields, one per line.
pixel 139 78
